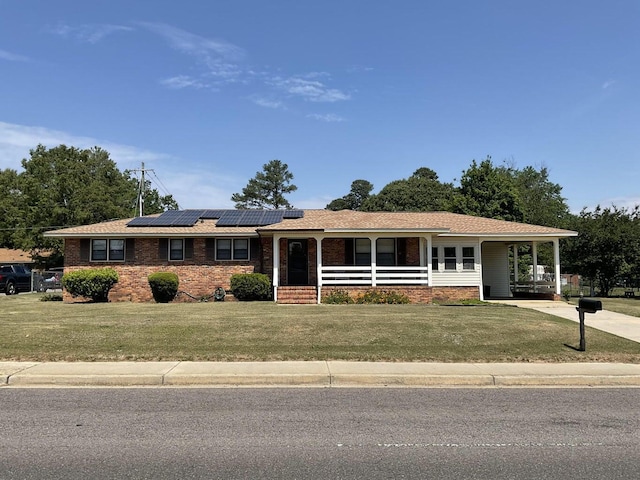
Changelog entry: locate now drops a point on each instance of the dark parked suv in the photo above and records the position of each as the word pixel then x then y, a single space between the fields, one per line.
pixel 14 279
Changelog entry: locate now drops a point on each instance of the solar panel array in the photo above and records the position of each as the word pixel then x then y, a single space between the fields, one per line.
pixel 226 218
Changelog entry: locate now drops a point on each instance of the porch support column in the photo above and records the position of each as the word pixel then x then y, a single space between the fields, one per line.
pixel 319 267
pixel 556 269
pixel 373 260
pixel 276 266
pixel 429 260
pixel 534 253
pixel 515 268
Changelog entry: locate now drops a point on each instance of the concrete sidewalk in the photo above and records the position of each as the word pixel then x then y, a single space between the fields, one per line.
pixel 316 374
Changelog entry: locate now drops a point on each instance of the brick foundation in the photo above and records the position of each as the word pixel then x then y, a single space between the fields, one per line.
pixel 416 294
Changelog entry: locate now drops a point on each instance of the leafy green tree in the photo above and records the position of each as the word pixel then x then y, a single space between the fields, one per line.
pixel 540 199
pixel 360 192
pixel 268 188
pixel 421 192
pixel 67 186
pixel 489 191
pixel 607 247
pixel 11 206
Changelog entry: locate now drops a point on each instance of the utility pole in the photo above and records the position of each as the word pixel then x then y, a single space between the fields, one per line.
pixel 140 201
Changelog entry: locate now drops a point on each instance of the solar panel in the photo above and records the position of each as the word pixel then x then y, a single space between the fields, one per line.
pixel 251 218
pixel 272 216
pixel 141 222
pixel 229 218
pixel 212 214
pixel 167 218
pixel 293 214
pixel 226 218
pixel 188 218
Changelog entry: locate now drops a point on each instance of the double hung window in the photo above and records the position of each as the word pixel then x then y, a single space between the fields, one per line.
pixel 107 250
pixel 232 249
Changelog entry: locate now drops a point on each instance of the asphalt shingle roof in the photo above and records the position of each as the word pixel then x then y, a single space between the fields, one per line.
pixel 326 220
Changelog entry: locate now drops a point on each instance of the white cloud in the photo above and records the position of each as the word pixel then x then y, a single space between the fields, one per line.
pixel 183 81
pixel 89 33
pixel 311 90
pixel 12 57
pixel 191 188
pixel 608 84
pixel 328 117
pixel 192 44
pixel 267 102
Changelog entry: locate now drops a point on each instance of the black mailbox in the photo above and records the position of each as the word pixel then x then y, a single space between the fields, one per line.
pixel 589 305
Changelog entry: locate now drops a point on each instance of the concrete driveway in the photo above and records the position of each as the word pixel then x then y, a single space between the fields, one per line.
pixel 618 324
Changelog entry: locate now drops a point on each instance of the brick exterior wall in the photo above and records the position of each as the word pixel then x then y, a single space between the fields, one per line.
pixel 198 276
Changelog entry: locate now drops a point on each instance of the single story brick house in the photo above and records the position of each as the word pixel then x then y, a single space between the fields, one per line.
pixel 310 253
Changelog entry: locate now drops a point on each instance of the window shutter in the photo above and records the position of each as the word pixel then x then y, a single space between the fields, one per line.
pixel 188 248
pixel 163 248
pixel 85 249
pixel 348 251
pixel 210 248
pixel 254 248
pixel 130 249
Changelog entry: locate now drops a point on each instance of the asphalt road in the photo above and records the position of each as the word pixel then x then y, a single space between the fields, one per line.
pixel 319 433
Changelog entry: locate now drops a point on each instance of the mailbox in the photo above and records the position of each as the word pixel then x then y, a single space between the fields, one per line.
pixel 589 305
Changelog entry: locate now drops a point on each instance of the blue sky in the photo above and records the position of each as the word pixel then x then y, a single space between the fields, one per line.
pixel 206 92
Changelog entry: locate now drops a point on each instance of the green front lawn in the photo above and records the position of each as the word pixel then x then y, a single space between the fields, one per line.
pixel 237 331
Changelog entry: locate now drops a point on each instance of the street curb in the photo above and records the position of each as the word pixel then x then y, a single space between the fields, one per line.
pixel 336 374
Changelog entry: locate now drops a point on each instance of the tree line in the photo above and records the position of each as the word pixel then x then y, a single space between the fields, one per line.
pixel 67 186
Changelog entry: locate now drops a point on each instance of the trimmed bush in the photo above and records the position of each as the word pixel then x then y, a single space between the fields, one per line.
pixel 251 286
pixel 337 297
pixel 92 283
pixel 51 297
pixel 383 297
pixel 164 286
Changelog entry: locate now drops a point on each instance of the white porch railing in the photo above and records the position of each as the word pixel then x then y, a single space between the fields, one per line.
pixel 366 275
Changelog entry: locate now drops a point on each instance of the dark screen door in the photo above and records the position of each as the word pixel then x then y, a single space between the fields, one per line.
pixel 298 262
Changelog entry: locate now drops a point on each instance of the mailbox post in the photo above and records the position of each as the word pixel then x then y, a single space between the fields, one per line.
pixel 586 305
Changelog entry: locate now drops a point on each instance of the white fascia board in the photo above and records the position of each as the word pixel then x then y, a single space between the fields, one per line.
pixel 512 237
pixel 406 231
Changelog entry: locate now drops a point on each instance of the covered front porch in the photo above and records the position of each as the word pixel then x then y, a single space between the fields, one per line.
pixel 425 267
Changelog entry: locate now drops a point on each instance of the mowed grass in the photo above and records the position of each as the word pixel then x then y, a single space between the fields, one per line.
pixel 239 331
pixel 628 306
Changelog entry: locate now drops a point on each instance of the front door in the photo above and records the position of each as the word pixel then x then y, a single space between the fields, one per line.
pixel 298 269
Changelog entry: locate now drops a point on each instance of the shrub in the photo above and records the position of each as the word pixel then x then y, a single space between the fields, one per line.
pixel 251 286
pixel 92 283
pixel 164 286
pixel 51 297
pixel 337 297
pixel 383 297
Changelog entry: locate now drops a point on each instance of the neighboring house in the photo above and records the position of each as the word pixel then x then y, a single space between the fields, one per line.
pixel 310 253
pixel 9 256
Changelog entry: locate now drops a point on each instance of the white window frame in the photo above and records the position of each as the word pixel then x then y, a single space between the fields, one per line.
pixel 468 257
pixel 446 257
pixel 108 249
pixel 234 249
